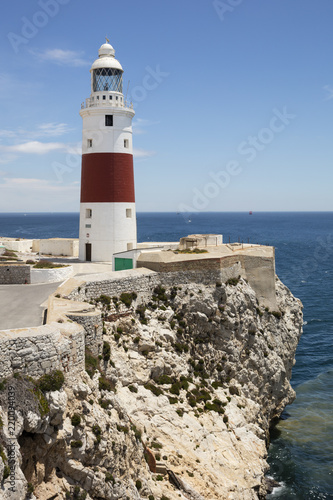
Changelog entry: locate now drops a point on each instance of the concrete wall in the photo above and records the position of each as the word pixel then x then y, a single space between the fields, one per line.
pixel 14 274
pixel 17 245
pixel 50 275
pixel 57 246
pixel 36 351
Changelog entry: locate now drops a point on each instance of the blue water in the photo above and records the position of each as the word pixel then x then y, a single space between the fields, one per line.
pixel 301 449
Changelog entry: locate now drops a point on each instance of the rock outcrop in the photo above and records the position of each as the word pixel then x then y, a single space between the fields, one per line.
pixel 178 406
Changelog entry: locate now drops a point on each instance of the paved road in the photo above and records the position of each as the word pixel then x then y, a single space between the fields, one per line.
pixel 20 305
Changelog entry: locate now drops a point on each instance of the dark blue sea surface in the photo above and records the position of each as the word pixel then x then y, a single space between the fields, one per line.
pixel 301 451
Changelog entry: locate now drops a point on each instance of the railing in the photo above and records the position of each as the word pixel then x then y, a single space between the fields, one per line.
pixel 89 103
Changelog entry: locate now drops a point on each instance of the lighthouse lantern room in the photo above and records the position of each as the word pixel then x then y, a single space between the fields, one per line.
pixel 107 204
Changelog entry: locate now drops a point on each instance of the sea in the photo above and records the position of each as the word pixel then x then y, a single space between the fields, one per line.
pixel 301 449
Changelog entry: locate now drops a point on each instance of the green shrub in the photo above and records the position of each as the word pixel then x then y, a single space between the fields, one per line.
pixel 172 400
pixel 109 478
pixel 91 363
pixel 122 428
pixel 52 381
pixel 155 390
pixel 105 384
pixel 76 419
pixel 104 299
pixel 106 351
pixel 233 281
pixel 127 298
pixel 76 444
pixel 132 388
pixel 156 446
pixel 6 472
pixel 277 314
pixel 164 379
pixel 3 384
pixel 138 484
pixel 96 429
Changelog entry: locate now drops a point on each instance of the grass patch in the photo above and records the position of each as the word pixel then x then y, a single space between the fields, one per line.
pixel 45 264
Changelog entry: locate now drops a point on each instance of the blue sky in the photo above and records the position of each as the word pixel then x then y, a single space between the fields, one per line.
pixel 237 115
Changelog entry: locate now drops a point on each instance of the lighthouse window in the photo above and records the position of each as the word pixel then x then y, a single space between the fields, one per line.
pixel 104 97
pixel 89 143
pixel 126 143
pixel 110 97
pixel 88 213
pixel 109 120
pixel 129 213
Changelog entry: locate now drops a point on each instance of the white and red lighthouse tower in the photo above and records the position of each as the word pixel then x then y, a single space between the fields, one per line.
pixel 107 205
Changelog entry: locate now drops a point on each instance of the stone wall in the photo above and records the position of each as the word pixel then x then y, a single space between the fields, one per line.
pixel 14 274
pixel 35 351
pixel 93 327
pixel 142 284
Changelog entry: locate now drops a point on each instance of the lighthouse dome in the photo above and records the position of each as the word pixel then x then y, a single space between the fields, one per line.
pixel 106 58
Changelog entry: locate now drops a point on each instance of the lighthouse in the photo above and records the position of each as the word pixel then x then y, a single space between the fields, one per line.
pixel 107 203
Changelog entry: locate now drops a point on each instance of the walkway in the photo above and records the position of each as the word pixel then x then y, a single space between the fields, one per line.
pixel 20 305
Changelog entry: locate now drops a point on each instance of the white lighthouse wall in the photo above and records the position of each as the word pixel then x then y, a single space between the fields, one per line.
pixel 106 139
pixel 111 229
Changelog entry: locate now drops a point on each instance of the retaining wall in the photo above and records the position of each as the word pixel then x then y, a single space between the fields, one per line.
pixel 35 351
pixel 50 275
pixel 143 283
pixel 14 274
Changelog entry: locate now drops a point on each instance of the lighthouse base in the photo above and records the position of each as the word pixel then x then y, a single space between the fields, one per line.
pixel 105 229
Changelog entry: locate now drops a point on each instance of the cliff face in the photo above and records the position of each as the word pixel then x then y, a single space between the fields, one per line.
pixel 191 378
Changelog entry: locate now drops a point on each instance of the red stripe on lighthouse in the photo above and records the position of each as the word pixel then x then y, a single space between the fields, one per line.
pixel 107 177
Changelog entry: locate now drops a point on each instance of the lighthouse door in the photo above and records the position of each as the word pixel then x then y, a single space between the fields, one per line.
pixel 88 252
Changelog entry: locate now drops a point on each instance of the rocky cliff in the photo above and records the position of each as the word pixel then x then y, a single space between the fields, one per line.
pixel 179 404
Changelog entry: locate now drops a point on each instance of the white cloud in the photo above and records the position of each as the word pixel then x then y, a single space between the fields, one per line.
pixel 142 153
pixel 52 129
pixel 28 185
pixel 24 194
pixel 42 130
pixel 62 57
pixel 35 147
pixel 139 125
